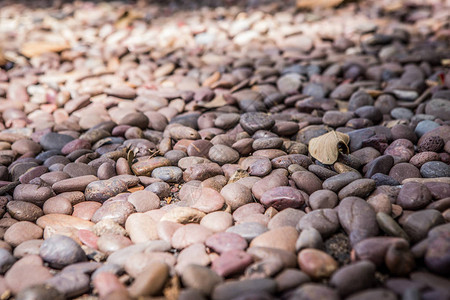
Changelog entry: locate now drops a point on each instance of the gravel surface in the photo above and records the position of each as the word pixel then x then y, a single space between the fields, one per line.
pixel 224 150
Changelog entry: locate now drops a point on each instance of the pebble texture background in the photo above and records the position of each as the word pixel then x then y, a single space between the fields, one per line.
pixel 160 150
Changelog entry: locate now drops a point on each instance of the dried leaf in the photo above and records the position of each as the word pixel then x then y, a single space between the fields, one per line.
pixel 130 157
pixel 326 148
pixel 218 101
pixel 36 48
pixel 135 189
pixel 172 289
pixel 127 18
pixel 238 174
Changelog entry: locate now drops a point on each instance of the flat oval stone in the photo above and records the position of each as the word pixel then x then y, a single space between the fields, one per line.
pixel 249 230
pixel 58 220
pixel 413 196
pixel 316 263
pixel 358 188
pixel 104 189
pixel 141 228
pixel 270 181
pixel 435 169
pixel 189 234
pixel 235 288
pixel 307 181
pixel 26 272
pixel 73 184
pixel 145 167
pixel 24 211
pixel 357 218
pixel 79 169
pixel 70 284
pixel 323 199
pixel 257 166
pixel 286 217
pixel 22 231
pixel 280 238
pixel 150 281
pixel 144 200
pixel 60 251
pixel 325 221
pixel 115 210
pixel 209 200
pixel 40 291
pixel 200 278
pixel 284 161
pixel 202 171
pixel 32 193
pixel 168 174
pixel 337 182
pixel 236 195
pixel 283 197
pixel 254 121
pixel 226 241
pixel 417 224
pixel 344 278
pixel 223 154
pixel 231 262
pixel 217 221
pixel 54 141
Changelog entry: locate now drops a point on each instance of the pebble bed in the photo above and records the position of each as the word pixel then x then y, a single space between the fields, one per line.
pixel 156 151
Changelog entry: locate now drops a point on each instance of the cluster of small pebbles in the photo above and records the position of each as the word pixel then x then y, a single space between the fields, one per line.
pixel 152 151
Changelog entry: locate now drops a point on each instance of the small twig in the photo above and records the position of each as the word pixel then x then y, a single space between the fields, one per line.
pixel 8 187
pixel 416 103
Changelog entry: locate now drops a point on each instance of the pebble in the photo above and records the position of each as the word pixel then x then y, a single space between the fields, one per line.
pixel 70 284
pixel 200 278
pixel 233 289
pixel 314 290
pixel 168 174
pixel 236 195
pixel 254 121
pixel 217 221
pixel 144 200
pixel 60 251
pixel 344 278
pixel 26 273
pixel 115 210
pixel 225 241
pixel 434 169
pixel 283 197
pixel 316 263
pixel 248 230
pixel 40 291
pixel 189 234
pixel 286 217
pixel 231 262
pixel 357 218
pixel 358 188
pixel 307 181
pixel 150 281
pixel 22 231
pixel 417 224
pixel 337 182
pixel 283 238
pixel 24 211
pixel 32 193
pixel 54 141
pixel 322 199
pixel 141 228
pixel 325 221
